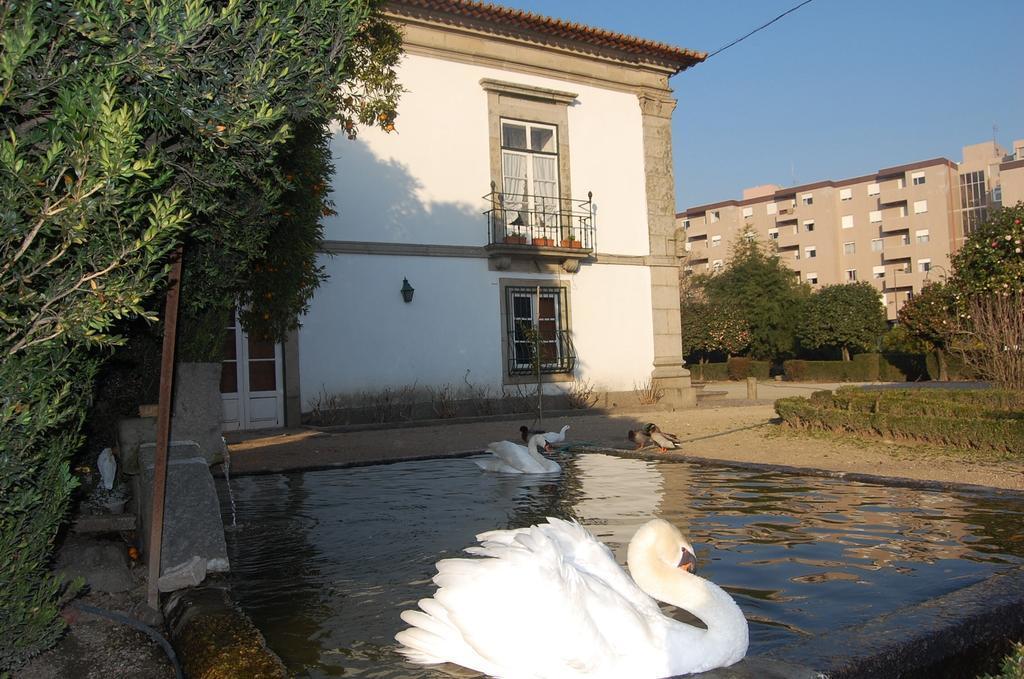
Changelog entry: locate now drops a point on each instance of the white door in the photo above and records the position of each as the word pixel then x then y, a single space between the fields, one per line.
pixel 251 385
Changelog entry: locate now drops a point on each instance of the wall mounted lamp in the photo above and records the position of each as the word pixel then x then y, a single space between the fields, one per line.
pixel 407 290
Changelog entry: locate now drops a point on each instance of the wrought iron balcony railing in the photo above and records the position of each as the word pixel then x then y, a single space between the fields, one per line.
pixel 557 354
pixel 539 221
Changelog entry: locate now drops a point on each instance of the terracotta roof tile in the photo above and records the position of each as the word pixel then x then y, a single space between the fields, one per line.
pixel 645 50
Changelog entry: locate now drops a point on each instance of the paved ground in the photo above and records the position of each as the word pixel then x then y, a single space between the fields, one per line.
pixel 729 428
pixel 303 448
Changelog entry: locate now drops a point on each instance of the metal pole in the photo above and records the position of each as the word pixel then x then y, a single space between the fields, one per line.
pixel 163 429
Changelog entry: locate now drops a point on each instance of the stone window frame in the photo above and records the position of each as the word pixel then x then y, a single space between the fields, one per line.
pixel 503 285
pixel 516 101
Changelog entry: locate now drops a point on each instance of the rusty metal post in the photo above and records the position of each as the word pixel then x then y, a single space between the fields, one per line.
pixel 163 429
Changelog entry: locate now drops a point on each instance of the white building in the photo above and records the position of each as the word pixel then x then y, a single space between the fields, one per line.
pixel 529 185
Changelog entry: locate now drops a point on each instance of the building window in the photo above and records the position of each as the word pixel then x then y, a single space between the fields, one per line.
pixel 773 234
pixel 878 272
pixel 771 208
pixel 714 216
pixel 917 178
pixel 924 265
pixel 812 278
pixel 875 216
pixel 529 174
pixel 900 182
pixel 810 251
pixel 903 210
pixel 849 248
pixel 686 225
pixel 851 275
pixel 876 245
pixel 922 236
pixel 809 225
pixel 904 239
pixel 716 241
pixel 873 189
pixel 973 206
pixel 716 265
pixel 847 221
pixel 748 212
pixel 845 194
pixel 536 319
pixel 920 206
pixel 807 198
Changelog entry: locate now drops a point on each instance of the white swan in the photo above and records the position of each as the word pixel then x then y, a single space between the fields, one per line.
pixel 550 601
pixel 512 458
pixel 550 436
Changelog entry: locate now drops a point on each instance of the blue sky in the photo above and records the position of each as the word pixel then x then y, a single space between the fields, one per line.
pixel 833 90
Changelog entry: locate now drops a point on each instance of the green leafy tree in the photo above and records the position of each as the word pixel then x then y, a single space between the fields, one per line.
pixel 992 258
pixel 765 294
pixel 127 129
pixel 988 282
pixel 846 316
pixel 707 329
pixel 930 316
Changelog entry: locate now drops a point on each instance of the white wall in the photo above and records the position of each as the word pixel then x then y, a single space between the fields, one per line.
pixel 425 183
pixel 360 334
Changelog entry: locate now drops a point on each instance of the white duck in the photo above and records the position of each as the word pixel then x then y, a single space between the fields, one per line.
pixel 549 436
pixel 550 601
pixel 512 458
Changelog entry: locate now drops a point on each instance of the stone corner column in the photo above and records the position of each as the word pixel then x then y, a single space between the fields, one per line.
pixel 656 108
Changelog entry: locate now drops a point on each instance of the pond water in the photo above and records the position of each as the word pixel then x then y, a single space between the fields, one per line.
pixel 324 561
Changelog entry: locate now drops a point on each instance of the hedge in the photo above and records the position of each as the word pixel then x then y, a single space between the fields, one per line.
pixel 862 368
pixel 986 420
pixel 955 368
pixel 736 368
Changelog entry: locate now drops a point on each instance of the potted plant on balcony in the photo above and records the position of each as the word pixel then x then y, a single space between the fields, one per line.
pixel 570 241
pixel 514 233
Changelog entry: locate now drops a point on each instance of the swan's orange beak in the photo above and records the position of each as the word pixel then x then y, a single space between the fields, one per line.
pixel 689 562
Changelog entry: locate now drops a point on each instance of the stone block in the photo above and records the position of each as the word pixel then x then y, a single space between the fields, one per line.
pixel 192 522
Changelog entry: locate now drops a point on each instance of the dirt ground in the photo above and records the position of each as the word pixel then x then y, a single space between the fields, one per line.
pixel 727 429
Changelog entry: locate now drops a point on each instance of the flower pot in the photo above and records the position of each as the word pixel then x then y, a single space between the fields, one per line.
pixel 570 243
pixel 516 240
pixel 544 242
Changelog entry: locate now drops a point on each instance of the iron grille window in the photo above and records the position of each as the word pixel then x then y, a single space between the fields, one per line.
pixel 537 324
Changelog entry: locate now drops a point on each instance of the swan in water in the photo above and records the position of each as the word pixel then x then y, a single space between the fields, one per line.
pixel 512 458
pixel 550 436
pixel 550 601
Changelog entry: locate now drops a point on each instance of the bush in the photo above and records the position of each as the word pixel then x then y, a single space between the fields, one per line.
pixel 709 372
pixel 742 367
pixel 861 368
pixel 989 420
pixel 955 368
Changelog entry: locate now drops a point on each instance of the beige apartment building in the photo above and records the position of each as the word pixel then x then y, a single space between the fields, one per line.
pixel 895 228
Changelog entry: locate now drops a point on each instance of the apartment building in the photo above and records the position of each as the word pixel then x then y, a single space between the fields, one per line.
pixel 895 228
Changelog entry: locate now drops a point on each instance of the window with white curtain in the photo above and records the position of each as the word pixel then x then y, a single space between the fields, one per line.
pixel 920 206
pixel 918 178
pixel 529 164
pixel 845 194
pixel 922 236
pixel 716 241
pixel 878 271
pixel 873 189
pixel 771 208
pixel 810 251
pixel 847 221
pixel 875 216
pixel 748 212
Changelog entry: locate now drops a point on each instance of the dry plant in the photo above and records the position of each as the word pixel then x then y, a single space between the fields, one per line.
pixel 648 393
pixel 478 396
pixel 325 408
pixel 442 400
pixel 581 395
pixel 990 338
pixel 519 401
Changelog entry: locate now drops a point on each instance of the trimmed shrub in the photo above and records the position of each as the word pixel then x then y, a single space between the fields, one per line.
pixel 988 419
pixel 861 368
pixel 955 368
pixel 742 367
pixel 709 372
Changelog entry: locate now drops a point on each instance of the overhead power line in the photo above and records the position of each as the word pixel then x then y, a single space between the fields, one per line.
pixel 737 40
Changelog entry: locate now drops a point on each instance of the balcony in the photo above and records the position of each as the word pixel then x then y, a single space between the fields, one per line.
pixel 891 195
pixel 539 227
pixel 557 353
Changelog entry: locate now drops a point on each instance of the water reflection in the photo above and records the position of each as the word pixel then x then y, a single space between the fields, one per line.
pixel 324 561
